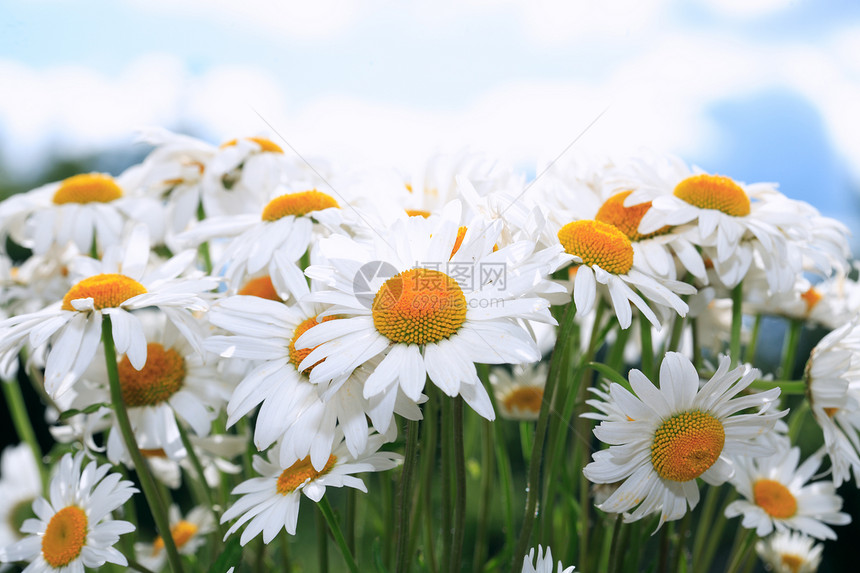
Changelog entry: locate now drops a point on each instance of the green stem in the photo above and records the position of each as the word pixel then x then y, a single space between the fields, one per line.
pixel 618 530
pixel 203 249
pixel 677 331
pixel 647 347
pixel 428 450
pixel 322 538
pixel 404 495
pixel 460 479
pixel 737 319
pixel 351 501
pixel 201 475
pixel 789 349
pixel 286 561
pixel 562 348
pixel 23 425
pixel 740 551
pixel 705 517
pixel 715 531
pixel 749 353
pixel 681 540
pixel 663 564
pixel 150 489
pixel 132 564
pixel 486 486
pixel 328 514
pixel 447 493
pixel 798 416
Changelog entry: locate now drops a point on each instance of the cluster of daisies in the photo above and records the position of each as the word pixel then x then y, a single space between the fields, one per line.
pixel 234 316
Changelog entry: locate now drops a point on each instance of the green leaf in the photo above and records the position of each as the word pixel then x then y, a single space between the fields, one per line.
pixel 610 374
pixel 88 410
pixel 229 557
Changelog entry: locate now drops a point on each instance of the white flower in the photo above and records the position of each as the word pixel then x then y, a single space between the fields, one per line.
pixel 73 529
pixel 112 287
pixel 777 495
pixel 543 564
pixel 271 502
pixel 273 237
pixel 833 379
pixel 672 435
pixel 175 383
pixel 789 552
pixel 20 485
pixel 519 394
pixel 188 534
pixel 399 297
pixel 603 255
pixel 292 411
pixel 84 209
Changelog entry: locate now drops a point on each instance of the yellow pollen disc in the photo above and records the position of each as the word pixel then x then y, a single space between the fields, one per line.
pixel 65 536
pixel 265 144
pixel 87 188
pixel 811 298
pixel 458 242
pixel 831 411
pixel 526 398
pixel 153 453
pixel 714 192
pixel 106 290
pixel 686 445
pixel 300 472
pixel 181 533
pixel 160 378
pixel 417 213
pixel 296 356
pixel 793 562
pixel 419 306
pixel 598 244
pixel 626 219
pixel 774 498
pixel 297 204
pixel 261 287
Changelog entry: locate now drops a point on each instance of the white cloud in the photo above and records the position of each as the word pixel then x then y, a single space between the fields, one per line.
pixel 748 8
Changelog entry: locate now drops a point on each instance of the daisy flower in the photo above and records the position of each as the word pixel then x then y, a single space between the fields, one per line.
pixel 789 552
pixel 20 485
pixel 543 564
pixel 112 287
pixel 175 383
pixel 292 410
pixel 413 309
pixel 87 210
pixel 73 529
pixel 737 224
pixel 519 393
pixel 833 383
pixel 676 433
pixel 777 495
pixel 271 502
pixel 283 227
pixel 604 255
pixel 188 534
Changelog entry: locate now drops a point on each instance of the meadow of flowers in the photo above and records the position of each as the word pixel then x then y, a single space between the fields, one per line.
pixel 230 343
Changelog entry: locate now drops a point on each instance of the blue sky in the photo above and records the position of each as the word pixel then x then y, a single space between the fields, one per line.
pixel 758 89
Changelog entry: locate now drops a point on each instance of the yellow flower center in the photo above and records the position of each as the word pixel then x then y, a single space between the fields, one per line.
pixel 296 356
pixel 417 212
pixel 811 298
pixel 793 562
pixel 419 306
pixel 524 399
pixel 87 188
pixel 686 445
pixel 714 192
pixel 831 411
pixel 107 291
pixel 65 536
pixel 774 498
pixel 598 244
pixel 300 472
pixel 297 205
pixel 626 219
pixel 181 533
pixel 261 287
pixel 160 378
pixel 265 144
pixel 153 453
